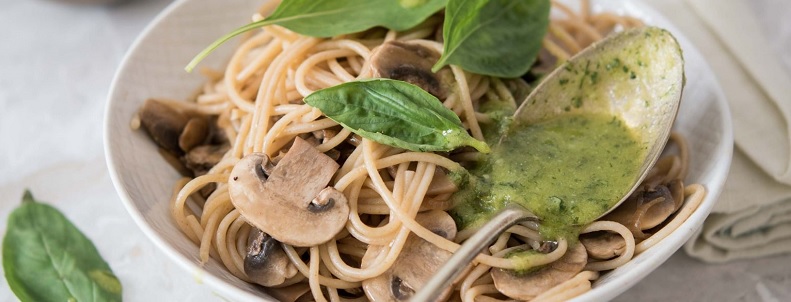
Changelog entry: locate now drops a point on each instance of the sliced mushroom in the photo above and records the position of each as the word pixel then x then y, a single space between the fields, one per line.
pixel 603 245
pixel 417 262
pixel 292 203
pixel 409 62
pixel 334 154
pixel 194 133
pixel 441 183
pixel 202 158
pixel 311 139
pixel 528 286
pixel 325 134
pixel 547 247
pixel 164 124
pixel 659 208
pixel 644 210
pixel 664 170
pixel 307 297
pixel 355 292
pixel 443 203
pixel 676 188
pixel 266 263
pixel 289 293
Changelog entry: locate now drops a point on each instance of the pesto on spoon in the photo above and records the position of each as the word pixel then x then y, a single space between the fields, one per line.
pixel 634 78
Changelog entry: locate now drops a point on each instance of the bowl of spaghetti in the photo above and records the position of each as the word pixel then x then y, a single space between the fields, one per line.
pixel 379 217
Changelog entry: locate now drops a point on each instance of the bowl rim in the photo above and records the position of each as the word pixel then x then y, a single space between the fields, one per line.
pixel 605 291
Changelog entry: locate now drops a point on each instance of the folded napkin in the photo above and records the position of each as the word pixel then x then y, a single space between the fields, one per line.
pixel 753 215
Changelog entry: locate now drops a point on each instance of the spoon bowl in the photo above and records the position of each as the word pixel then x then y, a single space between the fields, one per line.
pixel 636 75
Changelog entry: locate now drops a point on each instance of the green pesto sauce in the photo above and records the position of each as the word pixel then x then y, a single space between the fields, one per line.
pixel 567 171
pixel 500 112
pixel 525 261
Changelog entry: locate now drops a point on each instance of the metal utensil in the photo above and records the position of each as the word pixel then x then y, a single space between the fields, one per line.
pixel 637 75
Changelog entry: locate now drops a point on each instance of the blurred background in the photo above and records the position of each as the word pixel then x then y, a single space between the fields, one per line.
pixel 58 58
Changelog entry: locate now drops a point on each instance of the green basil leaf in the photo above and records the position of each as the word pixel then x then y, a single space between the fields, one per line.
pixel 499 38
pixel 46 258
pixel 394 113
pixel 327 18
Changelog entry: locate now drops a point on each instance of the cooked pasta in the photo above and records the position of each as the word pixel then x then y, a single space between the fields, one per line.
pixel 255 106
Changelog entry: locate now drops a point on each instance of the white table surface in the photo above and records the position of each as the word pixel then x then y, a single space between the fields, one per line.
pixel 56 65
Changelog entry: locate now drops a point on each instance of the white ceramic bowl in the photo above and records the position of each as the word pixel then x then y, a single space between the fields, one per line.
pixel 154 68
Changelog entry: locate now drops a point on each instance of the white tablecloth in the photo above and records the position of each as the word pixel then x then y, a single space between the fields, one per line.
pixel 56 65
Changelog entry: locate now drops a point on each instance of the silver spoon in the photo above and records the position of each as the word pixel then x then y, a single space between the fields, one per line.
pixel 640 76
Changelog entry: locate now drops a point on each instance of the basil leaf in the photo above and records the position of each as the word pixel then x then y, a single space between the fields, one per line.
pixel 499 38
pixel 46 258
pixel 327 18
pixel 394 113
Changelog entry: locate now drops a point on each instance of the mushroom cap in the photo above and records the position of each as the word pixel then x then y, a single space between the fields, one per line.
pixel 646 209
pixel 164 124
pixel 289 293
pixel 660 206
pixel 409 62
pixel 603 245
pixel 441 183
pixel 286 203
pixel 676 188
pixel 530 285
pixel 417 262
pixel 195 132
pixel 266 263
pixel 202 158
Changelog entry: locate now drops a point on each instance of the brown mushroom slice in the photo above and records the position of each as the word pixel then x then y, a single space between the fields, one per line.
pixel 325 134
pixel 265 262
pixel 662 172
pixel 194 133
pixel 659 208
pixel 334 154
pixel 443 204
pixel 410 62
pixel 441 183
pixel 202 158
pixel 529 285
pixel 307 297
pixel 417 262
pixel 310 139
pixel 289 293
pixel 292 203
pixel 164 124
pixel 644 210
pixel 603 245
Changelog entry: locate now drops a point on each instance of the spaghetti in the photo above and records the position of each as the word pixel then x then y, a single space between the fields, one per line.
pixel 256 103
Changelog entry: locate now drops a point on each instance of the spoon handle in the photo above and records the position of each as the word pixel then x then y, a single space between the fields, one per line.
pixel 457 263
